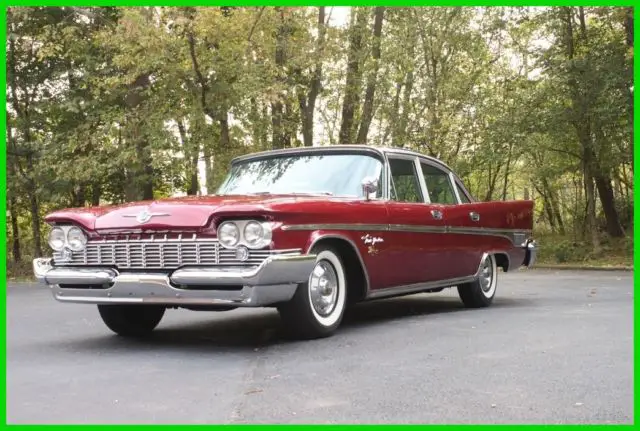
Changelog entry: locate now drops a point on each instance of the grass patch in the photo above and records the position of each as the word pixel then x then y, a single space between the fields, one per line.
pixel 558 250
pixel 20 271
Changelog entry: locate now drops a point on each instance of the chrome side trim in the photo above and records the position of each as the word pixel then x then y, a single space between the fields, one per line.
pixel 418 287
pixel 421 287
pixel 355 248
pixel 510 234
pixel 337 226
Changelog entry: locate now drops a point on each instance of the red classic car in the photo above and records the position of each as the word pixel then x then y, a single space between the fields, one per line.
pixel 307 230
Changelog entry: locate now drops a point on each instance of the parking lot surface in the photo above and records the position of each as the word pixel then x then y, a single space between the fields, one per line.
pixel 555 347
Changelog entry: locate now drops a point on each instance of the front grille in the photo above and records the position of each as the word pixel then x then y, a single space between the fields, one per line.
pixel 161 252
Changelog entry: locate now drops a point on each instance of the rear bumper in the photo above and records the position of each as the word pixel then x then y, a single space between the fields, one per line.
pixel 531 251
pixel 274 280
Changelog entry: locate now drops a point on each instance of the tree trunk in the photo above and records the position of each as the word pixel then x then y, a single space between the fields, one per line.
pixel 24 115
pixel 144 155
pixel 628 25
pixel 552 202
pixel 367 108
pixel 546 207
pixel 96 192
pixel 391 126
pixel 582 125
pixel 225 136
pixel 308 103
pixel 34 207
pixel 80 196
pixel 506 172
pixel 15 230
pixel 191 156
pixel 605 192
pixel 602 177
pixel 208 170
pixel 13 203
pixel 353 84
pixel 280 135
pixel 590 217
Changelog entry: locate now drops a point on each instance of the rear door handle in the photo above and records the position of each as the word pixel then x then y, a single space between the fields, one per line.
pixel 474 216
pixel 437 214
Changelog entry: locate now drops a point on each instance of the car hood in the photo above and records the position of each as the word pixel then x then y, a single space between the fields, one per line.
pixel 186 213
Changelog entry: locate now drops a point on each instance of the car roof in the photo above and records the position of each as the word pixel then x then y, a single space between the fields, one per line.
pixel 381 151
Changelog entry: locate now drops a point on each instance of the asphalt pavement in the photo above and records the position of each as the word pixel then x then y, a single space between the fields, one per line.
pixel 555 347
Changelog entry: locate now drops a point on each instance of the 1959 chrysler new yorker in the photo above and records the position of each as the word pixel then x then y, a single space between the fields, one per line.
pixel 307 230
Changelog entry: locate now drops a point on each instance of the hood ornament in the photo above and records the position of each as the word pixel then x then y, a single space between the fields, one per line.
pixel 144 216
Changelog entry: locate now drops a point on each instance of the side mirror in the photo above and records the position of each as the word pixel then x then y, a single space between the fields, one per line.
pixel 369 187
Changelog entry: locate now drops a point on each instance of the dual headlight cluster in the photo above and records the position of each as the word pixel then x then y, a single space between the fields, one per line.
pixel 250 233
pixel 70 237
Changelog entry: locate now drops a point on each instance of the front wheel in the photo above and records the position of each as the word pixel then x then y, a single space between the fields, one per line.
pixel 317 308
pixel 480 292
pixel 131 320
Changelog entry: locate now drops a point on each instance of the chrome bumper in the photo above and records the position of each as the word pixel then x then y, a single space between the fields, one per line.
pixel 531 250
pixel 274 280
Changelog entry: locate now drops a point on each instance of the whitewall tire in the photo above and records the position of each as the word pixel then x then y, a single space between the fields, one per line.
pixel 317 308
pixel 480 292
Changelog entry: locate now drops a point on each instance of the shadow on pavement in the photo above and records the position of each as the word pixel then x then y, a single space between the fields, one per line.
pixel 236 333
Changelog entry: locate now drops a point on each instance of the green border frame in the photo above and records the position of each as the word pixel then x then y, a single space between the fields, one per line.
pixel 130 3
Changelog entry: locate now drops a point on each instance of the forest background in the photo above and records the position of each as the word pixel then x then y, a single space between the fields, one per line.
pixel 109 105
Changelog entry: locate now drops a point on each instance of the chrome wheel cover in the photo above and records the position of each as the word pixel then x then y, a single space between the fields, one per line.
pixel 323 288
pixel 486 275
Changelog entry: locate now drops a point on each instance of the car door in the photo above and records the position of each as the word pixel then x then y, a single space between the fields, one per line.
pixel 459 253
pixel 416 227
pixel 462 250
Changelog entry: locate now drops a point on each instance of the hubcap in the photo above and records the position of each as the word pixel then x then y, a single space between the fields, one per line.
pixel 323 285
pixel 486 275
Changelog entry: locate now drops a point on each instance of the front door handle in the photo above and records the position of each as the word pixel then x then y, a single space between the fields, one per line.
pixel 437 214
pixel 474 216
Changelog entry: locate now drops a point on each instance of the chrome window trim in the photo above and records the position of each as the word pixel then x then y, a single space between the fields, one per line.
pixel 452 182
pixel 445 170
pixel 461 186
pixel 417 172
pixel 423 183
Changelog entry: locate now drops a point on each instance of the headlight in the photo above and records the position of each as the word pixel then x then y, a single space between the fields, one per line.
pixel 76 239
pixel 56 239
pixel 228 234
pixel 257 235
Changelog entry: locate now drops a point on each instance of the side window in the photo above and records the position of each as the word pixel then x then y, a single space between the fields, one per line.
pixel 405 186
pixel 463 197
pixel 438 185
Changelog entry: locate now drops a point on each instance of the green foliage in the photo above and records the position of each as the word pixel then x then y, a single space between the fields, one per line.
pixel 107 105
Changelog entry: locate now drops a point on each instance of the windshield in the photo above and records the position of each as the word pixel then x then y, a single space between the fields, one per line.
pixel 330 174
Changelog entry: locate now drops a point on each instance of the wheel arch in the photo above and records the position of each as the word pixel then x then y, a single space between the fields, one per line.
pixel 357 277
pixel 502 260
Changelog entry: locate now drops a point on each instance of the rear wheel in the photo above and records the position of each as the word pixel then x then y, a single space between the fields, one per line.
pixel 317 308
pixel 480 293
pixel 131 320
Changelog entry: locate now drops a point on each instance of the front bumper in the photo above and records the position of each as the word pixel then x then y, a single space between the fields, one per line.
pixel 274 280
